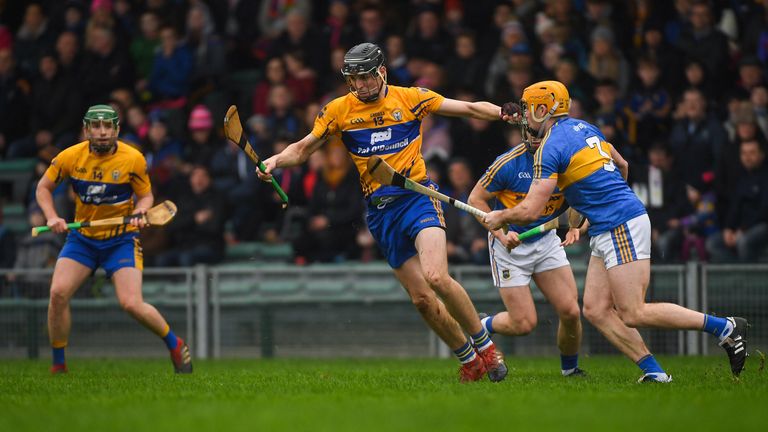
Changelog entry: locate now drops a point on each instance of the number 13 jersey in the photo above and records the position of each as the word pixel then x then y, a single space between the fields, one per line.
pixel 576 154
pixel 389 127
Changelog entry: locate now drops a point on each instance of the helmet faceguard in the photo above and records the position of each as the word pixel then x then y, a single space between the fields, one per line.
pixel 364 61
pixel 551 94
pixel 100 114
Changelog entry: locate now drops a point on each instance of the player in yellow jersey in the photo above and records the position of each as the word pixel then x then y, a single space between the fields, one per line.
pixel 110 179
pixel 379 119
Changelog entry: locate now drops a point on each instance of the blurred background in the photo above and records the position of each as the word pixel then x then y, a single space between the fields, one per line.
pixel 678 87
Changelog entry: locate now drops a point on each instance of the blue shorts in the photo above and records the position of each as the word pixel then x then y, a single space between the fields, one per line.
pixel 111 254
pixel 395 224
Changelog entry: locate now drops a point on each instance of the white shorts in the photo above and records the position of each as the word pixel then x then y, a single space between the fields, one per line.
pixel 513 269
pixel 630 241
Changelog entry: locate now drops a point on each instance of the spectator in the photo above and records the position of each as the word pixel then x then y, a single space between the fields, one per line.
pixel 649 102
pixel 667 57
pixel 105 67
pixel 69 56
pixel 13 102
pixel 750 76
pixel 428 41
pixel 372 25
pixel 397 62
pixel 466 242
pixel 275 73
pixel 464 68
pixel 759 99
pixel 162 151
pixel 609 104
pixel 745 232
pixel 171 71
pixel 282 120
pixel 7 243
pixel 145 44
pixel 203 140
pixel 700 225
pixel 697 139
pixel 664 195
pixel 34 253
pixel 335 211
pixel 338 31
pixel 274 15
pixel 209 60
pixel 606 62
pixel 197 233
pixel 300 36
pixel 303 79
pixel 512 38
pixel 705 43
pixel 33 39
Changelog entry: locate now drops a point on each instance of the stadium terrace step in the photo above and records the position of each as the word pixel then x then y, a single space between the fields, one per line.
pixel 17 172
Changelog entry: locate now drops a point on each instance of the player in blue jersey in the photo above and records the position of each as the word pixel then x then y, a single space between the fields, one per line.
pixel 574 157
pixel 379 119
pixel 514 263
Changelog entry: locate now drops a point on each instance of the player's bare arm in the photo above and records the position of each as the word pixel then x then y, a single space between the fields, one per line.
pixel 295 154
pixel 620 162
pixel 44 195
pixel 479 198
pixel 478 110
pixel 528 210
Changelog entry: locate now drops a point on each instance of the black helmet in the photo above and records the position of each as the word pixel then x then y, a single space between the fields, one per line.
pixel 363 58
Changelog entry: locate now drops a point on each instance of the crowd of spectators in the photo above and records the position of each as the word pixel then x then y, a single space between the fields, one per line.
pixel 679 88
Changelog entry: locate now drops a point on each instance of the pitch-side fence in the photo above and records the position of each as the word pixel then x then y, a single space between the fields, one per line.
pixel 269 310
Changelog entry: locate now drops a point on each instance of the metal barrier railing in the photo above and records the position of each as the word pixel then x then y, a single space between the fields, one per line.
pixel 335 310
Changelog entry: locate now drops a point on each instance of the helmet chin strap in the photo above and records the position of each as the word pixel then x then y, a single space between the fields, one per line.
pixel 528 131
pixel 375 96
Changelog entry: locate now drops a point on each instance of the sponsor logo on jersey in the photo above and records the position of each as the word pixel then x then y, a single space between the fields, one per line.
pixel 381 136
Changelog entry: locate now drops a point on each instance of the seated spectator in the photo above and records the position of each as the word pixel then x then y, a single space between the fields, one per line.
pixel 105 67
pixel 145 44
pixel 197 232
pixel 745 233
pixel 209 57
pixel 302 77
pixel 203 140
pixel 171 71
pixel 606 61
pixel 700 225
pixel 397 62
pixel 282 120
pixel 609 104
pixel 33 38
pixel 13 102
pixel 275 74
pixel 759 99
pixel 162 151
pixel 649 102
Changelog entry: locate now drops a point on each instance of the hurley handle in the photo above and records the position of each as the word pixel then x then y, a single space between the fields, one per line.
pixel 531 232
pixel 275 185
pixel 71 226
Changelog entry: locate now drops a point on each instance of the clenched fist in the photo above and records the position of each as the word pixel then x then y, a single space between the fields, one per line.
pixel 511 113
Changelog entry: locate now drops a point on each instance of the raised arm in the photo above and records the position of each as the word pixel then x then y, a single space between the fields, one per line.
pixel 295 154
pixel 478 110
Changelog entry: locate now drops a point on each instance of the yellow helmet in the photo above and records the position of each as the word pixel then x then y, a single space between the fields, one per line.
pixel 551 94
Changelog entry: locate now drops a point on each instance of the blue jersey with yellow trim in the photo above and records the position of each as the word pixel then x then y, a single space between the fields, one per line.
pixel 104 185
pixel 389 127
pixel 509 178
pixel 576 154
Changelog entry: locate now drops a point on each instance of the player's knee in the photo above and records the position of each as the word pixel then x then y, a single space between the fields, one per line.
pixel 423 302
pixel 438 281
pixel 59 296
pixel 524 325
pixel 570 314
pixel 130 305
pixel 595 313
pixel 631 317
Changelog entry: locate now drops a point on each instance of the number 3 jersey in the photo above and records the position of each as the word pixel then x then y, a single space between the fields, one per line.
pixel 104 185
pixel 576 154
pixel 509 178
pixel 389 127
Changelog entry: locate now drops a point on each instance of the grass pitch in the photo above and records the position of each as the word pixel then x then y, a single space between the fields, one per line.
pixel 365 395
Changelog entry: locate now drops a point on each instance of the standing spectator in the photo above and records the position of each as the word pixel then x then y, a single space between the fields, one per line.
pixel 209 59
pixel 33 38
pixel 171 70
pixel 665 199
pixel 745 234
pixel 465 68
pixel 338 31
pixel 697 139
pixel 705 43
pixel 144 45
pixel 13 102
pixel 429 41
pixel 197 233
pixel 335 211
pixel 649 102
pixel 105 67
pixel 466 239
pixel 606 61
pixel 372 25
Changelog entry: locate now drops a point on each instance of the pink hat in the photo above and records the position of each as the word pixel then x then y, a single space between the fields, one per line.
pixel 101 4
pixel 200 118
pixel 6 39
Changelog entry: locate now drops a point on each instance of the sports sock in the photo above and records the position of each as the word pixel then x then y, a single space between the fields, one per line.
pixel 648 364
pixel 487 323
pixel 58 356
pixel 465 353
pixel 170 339
pixel 568 363
pixel 482 340
pixel 719 327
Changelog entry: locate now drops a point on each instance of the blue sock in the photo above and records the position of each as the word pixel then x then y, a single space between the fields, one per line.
pixel 487 323
pixel 482 339
pixel 170 340
pixel 715 325
pixel 465 353
pixel 58 356
pixel 568 362
pixel 648 364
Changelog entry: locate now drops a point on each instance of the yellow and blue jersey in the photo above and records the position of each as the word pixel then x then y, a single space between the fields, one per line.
pixel 104 185
pixel 576 154
pixel 509 178
pixel 389 127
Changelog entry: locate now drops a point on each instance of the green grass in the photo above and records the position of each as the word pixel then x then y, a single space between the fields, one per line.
pixel 363 395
